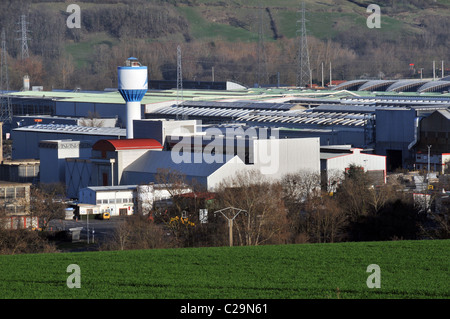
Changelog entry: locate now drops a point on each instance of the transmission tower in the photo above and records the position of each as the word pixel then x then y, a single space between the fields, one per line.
pixel 262 76
pixel 6 110
pixel 23 29
pixel 179 76
pixel 303 67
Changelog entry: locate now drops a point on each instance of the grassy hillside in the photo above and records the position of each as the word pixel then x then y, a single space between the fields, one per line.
pixel 238 20
pixel 223 35
pixel 409 269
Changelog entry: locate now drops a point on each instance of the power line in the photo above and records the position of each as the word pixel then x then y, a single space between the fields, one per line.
pixel 262 76
pixel 6 109
pixel 24 36
pixel 303 68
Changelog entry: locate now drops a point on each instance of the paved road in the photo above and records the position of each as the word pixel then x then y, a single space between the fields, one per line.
pixel 102 229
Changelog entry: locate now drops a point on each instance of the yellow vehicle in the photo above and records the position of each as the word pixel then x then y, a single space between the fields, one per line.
pixel 105 215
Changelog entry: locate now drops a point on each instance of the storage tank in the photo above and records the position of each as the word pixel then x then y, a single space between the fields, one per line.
pixel 133 84
pixel 26 83
pixel 145 198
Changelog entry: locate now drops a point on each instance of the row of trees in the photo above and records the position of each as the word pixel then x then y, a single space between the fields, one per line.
pixel 293 210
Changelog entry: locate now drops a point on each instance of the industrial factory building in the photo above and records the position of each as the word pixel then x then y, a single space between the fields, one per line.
pixel 334 162
pixel 210 135
pixel 404 85
pixel 26 139
pixel 104 165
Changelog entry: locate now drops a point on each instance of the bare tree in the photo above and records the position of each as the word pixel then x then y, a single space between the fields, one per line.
pixel 266 217
pixel 92 120
pixel 47 203
pixel 322 220
pixel 299 187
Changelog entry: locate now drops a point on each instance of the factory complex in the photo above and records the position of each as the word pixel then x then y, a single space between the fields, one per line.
pixel 106 146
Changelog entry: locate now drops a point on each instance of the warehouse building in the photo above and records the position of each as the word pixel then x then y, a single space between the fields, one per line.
pixel 106 163
pixel 333 165
pixel 26 139
pixel 123 200
pixel 54 154
pixel 403 85
pixel 387 124
pixel 272 157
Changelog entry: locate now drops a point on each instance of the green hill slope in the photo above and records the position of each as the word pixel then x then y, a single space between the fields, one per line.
pixel 223 35
pixel 408 269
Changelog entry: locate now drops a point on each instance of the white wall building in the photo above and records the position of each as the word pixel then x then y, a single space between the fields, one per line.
pixel 116 200
pixel 123 200
pixel 334 165
pixel 273 158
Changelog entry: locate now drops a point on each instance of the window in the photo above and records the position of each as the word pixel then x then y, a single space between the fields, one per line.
pixel 99 201
pixel 104 201
pixel 20 192
pixel 112 201
pixel 118 200
pixel 10 192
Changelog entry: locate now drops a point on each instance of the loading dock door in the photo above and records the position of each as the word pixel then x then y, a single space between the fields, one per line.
pixel 105 179
pixel 393 160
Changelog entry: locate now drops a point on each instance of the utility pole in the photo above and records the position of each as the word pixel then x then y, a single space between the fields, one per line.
pixel 87 227
pixel 230 213
pixel 434 70
pixel 322 76
pixel 331 82
pixel 303 68
pixel 429 147
pixel 442 69
pixel 428 179
pixel 24 36
pixel 179 76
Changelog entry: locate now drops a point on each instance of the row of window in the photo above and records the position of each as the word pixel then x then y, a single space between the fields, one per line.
pixel 12 192
pixel 114 201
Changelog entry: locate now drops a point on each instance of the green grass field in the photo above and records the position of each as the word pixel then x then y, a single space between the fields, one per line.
pixel 409 269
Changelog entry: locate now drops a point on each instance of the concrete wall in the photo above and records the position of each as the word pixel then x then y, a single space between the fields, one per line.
pixel 277 157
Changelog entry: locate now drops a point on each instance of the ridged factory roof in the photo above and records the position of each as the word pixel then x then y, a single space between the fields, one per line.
pixel 74 129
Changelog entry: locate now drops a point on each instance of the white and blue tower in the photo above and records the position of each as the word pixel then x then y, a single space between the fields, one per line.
pixel 133 84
